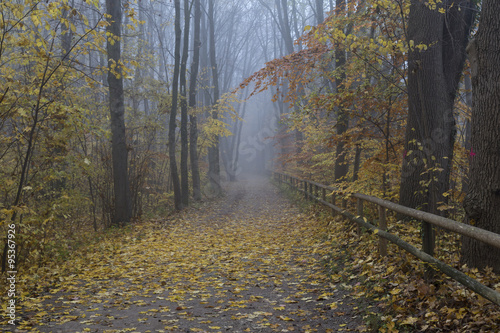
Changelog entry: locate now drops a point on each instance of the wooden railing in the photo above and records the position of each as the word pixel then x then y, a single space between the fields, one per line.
pixel 311 190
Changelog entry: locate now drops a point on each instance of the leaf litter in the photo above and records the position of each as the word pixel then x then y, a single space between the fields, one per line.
pixel 248 262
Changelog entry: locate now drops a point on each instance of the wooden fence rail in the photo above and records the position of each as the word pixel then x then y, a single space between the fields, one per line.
pixel 311 189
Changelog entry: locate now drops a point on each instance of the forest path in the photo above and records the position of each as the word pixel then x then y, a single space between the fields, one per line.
pixel 248 262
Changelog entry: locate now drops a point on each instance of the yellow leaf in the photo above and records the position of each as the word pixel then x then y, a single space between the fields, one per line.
pixel 395 291
pixel 409 321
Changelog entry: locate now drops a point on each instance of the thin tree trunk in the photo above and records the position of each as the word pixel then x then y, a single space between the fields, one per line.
pixel 173 111
pixel 184 109
pixel 341 166
pixel 284 23
pixel 320 16
pixel 122 207
pixel 236 148
pixel 213 151
pixel 193 131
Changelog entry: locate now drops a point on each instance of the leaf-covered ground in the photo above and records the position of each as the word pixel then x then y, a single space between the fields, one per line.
pixel 248 262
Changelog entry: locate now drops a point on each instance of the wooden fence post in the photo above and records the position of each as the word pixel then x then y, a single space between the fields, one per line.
pixel 359 211
pixel 305 189
pixel 382 242
pixel 323 194
pixel 344 207
pixel 428 247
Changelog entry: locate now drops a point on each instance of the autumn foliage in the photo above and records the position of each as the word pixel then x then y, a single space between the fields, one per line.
pixel 370 87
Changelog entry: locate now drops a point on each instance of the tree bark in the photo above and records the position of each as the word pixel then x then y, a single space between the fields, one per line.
pixel 184 109
pixel 467 127
pixel 435 63
pixel 173 112
pixel 483 198
pixel 122 208
pixel 193 130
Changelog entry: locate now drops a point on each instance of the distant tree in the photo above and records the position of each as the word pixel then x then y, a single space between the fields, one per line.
pixel 193 119
pixel 213 151
pixel 319 11
pixel 482 203
pixel 122 207
pixel 184 108
pixel 173 110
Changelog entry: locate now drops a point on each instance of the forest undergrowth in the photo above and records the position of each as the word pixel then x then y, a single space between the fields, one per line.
pixel 404 301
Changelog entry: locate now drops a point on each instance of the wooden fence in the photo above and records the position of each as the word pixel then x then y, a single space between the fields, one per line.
pixel 320 192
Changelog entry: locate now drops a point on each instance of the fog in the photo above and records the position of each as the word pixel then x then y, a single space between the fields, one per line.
pixel 247 35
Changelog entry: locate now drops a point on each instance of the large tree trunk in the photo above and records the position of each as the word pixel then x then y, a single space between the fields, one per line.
pixel 173 112
pixel 213 151
pixel 122 209
pixel 483 198
pixel 184 109
pixel 467 127
pixel 193 130
pixel 435 62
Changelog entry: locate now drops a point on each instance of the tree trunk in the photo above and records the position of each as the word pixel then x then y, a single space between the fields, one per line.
pixel 184 109
pixel 467 127
pixel 435 62
pixel 483 198
pixel 122 209
pixel 320 16
pixel 341 166
pixel 284 24
pixel 66 32
pixel 213 151
pixel 193 130
pixel 173 111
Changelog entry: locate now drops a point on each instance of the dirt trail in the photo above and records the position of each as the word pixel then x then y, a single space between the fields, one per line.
pixel 249 262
